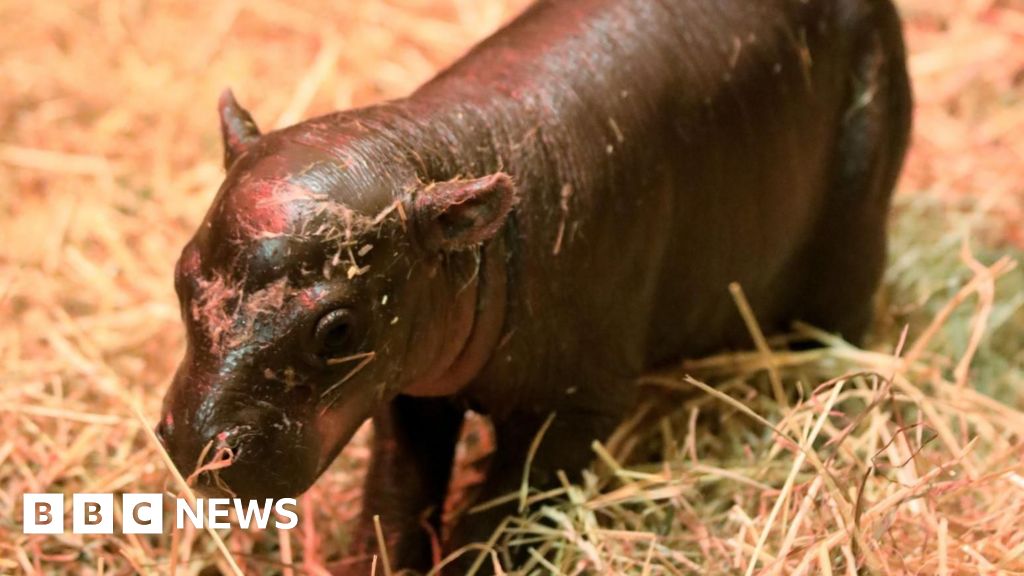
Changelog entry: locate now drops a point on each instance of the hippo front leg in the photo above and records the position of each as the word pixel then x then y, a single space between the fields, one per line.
pixel 413 449
pixel 565 445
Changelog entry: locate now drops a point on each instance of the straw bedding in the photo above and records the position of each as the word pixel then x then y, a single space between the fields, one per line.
pixel 903 457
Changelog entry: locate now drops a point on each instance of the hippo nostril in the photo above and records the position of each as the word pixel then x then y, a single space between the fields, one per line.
pixel 165 429
pixel 230 443
pixel 163 434
pixel 225 455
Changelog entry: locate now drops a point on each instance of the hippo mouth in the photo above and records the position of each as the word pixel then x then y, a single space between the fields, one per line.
pixel 244 466
pixel 256 451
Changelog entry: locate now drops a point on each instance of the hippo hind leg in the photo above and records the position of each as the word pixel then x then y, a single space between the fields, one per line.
pixel 846 255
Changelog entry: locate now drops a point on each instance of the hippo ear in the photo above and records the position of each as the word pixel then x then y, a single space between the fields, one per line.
pixel 460 214
pixel 237 128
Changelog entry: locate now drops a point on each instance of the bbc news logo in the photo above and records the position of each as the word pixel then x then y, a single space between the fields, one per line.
pixel 144 513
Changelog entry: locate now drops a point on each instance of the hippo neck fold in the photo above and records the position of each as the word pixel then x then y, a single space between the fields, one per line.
pixel 484 300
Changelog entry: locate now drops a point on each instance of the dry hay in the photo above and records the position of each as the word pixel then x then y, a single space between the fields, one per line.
pixel 903 458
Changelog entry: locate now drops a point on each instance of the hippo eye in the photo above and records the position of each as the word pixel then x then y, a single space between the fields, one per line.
pixel 333 335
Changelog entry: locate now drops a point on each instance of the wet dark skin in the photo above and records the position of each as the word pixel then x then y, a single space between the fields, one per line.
pixel 557 213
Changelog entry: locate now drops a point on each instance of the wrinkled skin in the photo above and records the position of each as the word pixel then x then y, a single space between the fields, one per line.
pixel 555 214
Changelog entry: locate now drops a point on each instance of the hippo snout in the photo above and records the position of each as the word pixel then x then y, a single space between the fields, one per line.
pixel 268 449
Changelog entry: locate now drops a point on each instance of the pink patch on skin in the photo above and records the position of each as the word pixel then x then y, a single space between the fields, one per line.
pixel 307 300
pixel 190 263
pixel 169 419
pixel 263 200
pixel 261 208
pixel 210 311
pixel 222 437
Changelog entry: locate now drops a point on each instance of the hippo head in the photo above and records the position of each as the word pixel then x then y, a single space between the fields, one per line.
pixel 325 279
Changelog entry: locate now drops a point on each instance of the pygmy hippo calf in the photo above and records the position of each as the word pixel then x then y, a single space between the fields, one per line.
pixel 558 212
